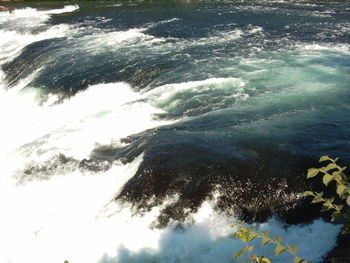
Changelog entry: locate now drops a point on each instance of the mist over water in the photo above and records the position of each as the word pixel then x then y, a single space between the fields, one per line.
pixel 141 140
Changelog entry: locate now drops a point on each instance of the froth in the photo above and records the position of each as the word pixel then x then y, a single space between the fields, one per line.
pixel 77 125
pixel 13 42
pixel 209 239
pixel 68 217
pixel 62 215
pixel 116 40
pixel 172 97
pixel 340 48
pixel 30 17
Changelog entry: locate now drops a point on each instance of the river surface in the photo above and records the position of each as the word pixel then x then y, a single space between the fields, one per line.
pixel 137 131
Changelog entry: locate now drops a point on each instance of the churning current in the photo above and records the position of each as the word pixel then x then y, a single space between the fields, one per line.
pixel 137 131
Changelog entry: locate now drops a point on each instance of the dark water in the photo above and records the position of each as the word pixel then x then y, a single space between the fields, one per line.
pixel 226 99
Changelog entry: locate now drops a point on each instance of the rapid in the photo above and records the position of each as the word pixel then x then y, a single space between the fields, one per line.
pixel 138 131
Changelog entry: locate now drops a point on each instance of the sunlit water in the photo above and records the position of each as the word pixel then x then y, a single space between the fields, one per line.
pixel 196 82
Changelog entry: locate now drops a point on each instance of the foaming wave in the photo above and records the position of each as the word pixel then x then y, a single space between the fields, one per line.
pixel 31 17
pixel 32 12
pixel 341 48
pixel 116 40
pixel 69 217
pixel 113 38
pixel 13 42
pixel 20 104
pixel 47 221
pixel 136 37
pixel 230 36
pixel 17 29
pixel 155 24
pixel 196 95
pixel 72 128
pixel 235 34
pixel 209 239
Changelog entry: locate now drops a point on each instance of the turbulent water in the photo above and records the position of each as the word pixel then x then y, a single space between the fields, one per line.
pixel 138 131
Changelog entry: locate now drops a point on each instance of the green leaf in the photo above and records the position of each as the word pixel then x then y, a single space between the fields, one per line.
pixel 240 252
pixel 324 158
pixel 309 193
pixel 329 203
pixel 265 233
pixel 250 249
pixel 278 239
pixel 317 199
pixel 297 259
pixel 293 249
pixel 323 169
pixel 261 259
pixel 338 207
pixel 265 260
pixel 265 240
pixel 279 250
pixel 326 207
pixel 337 175
pixel 335 216
pixel 348 200
pixel 331 166
pixel 245 237
pixel 327 178
pixel 312 172
pixel 340 189
pixel 252 236
pixel 233 225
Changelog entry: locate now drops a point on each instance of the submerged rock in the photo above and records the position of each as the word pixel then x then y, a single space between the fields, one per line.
pixel 244 180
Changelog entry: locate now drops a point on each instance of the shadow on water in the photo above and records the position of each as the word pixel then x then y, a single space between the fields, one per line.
pixel 213 241
pixel 186 245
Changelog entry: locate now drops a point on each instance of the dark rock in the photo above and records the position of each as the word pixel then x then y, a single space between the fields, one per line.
pixel 252 184
pixel 61 164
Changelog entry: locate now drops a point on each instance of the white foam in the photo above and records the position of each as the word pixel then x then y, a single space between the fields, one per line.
pixel 98 41
pixel 137 37
pixel 155 24
pixel 165 95
pixel 201 85
pixel 17 29
pixel 228 36
pixel 49 220
pixel 73 217
pixel 102 114
pixel 341 48
pixel 114 38
pixel 209 240
pixel 13 42
pixel 31 17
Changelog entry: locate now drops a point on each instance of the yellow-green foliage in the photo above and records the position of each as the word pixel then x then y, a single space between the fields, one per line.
pixel 340 209
pixel 333 173
pixel 247 234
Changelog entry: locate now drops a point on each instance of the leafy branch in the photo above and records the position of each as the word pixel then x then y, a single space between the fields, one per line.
pixel 333 172
pixel 247 234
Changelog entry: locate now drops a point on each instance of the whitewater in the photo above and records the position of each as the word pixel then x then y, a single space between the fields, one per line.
pixel 64 158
